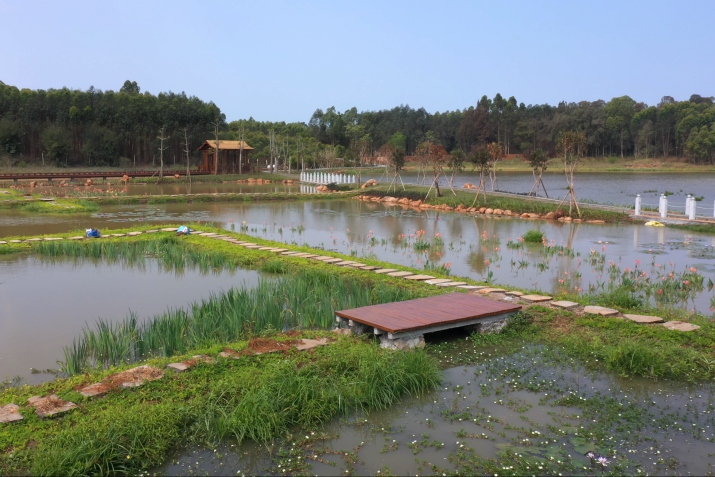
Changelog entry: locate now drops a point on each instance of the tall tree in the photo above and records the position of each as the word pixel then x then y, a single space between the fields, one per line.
pixel 572 145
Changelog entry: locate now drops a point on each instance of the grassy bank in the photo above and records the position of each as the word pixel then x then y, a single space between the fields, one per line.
pixel 256 397
pixel 515 204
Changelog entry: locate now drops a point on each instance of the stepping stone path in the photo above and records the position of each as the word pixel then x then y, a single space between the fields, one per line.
pixel 436 281
pixel 386 270
pixel 419 277
pixel 566 305
pixel 535 298
pixel 50 405
pixel 190 363
pixel 10 413
pixel 600 310
pixel 643 318
pixel 680 326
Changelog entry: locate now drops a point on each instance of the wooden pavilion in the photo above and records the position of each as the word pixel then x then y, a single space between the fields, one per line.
pixel 229 156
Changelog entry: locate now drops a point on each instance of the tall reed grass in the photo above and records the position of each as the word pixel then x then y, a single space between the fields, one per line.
pixel 306 300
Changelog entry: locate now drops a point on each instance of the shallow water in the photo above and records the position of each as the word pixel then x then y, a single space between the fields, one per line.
pixel 45 303
pixel 506 402
pixel 388 233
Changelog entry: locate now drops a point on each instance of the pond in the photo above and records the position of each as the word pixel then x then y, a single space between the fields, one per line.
pixel 613 188
pixel 577 258
pixel 535 403
pixel 45 302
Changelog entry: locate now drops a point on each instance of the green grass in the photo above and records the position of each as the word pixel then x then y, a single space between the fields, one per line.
pixel 257 398
pixel 533 236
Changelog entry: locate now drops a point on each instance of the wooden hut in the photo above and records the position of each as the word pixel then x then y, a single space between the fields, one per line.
pixel 229 156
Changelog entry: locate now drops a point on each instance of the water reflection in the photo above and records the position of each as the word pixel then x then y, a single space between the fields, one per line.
pixel 44 303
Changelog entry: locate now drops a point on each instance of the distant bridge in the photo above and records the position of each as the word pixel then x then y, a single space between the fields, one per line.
pixel 72 175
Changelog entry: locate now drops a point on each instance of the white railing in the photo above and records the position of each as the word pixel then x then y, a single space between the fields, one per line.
pixel 691 209
pixel 327 178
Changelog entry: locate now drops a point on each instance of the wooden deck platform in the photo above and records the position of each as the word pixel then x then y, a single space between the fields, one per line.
pixel 425 315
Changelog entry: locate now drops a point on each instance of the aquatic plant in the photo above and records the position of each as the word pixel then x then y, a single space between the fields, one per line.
pixel 533 236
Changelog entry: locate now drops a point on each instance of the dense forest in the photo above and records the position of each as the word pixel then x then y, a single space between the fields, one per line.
pixel 96 128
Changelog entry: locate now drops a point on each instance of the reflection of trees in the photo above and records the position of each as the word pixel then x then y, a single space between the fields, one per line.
pixel 476 261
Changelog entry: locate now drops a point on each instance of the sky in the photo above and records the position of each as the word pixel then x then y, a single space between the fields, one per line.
pixel 280 60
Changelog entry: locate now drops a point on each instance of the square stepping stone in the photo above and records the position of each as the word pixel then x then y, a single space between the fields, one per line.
pixel 34 239
pixel 151 231
pixel 386 270
pixel 190 363
pixel 333 260
pixel 10 413
pixel 196 232
pixel 49 239
pixel 50 405
pixel 536 298
pixel 487 291
pixel 370 267
pixel 344 263
pixel 132 234
pixel 437 281
pixel 79 237
pixel 646 319
pixel 680 326
pixel 290 252
pixel 419 277
pixel 303 255
pixel 356 265
pixel 266 248
pixel 18 241
pixel 253 246
pixel 600 310
pixel 307 344
pixel 514 293
pixel 248 244
pixel 208 234
pixel 2 242
pixel 118 235
pixel 95 390
pixel 169 229
pixel 276 250
pixel 400 274
pixel 451 284
pixel 563 304
pixel 470 287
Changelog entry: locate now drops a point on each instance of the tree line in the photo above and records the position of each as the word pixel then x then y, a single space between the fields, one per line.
pixel 94 128
pixel 101 128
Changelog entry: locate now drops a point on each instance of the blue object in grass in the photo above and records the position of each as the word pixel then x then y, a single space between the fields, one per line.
pixel 183 230
pixel 92 233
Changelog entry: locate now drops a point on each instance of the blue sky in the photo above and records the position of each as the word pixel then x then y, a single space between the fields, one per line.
pixel 280 60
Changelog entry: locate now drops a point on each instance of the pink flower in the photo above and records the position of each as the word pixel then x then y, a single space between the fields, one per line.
pixel 693 270
pixel 486 262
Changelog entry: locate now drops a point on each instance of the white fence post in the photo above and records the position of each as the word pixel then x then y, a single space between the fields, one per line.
pixel 638 204
pixel 691 212
pixel 663 206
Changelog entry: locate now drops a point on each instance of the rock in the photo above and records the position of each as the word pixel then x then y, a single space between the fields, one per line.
pixel 566 305
pixel 596 221
pixel 498 212
pixel 550 215
pixel 600 310
pixel 10 413
pixel 176 176
pixel 402 343
pixel 437 281
pixel 514 293
pixel 389 199
pixel 306 344
pixel 489 211
pixel 343 331
pixel 680 326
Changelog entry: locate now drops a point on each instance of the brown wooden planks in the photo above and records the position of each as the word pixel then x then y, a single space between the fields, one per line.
pixel 412 315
